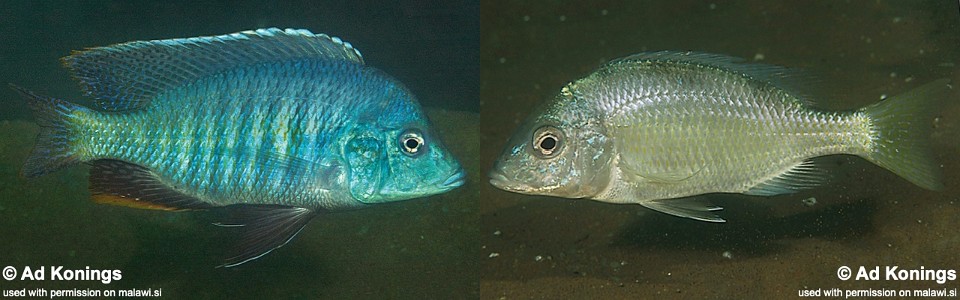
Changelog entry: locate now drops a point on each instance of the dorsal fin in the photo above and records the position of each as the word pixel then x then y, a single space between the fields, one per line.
pixel 758 71
pixel 126 76
pixel 796 82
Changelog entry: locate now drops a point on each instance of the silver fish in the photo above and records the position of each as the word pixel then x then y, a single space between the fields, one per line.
pixel 657 128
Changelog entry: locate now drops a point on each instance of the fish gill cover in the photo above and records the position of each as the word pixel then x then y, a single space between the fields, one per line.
pixel 274 126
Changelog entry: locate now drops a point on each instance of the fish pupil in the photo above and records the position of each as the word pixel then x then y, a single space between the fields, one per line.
pixel 412 144
pixel 548 143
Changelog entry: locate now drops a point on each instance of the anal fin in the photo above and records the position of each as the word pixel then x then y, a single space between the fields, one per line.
pixel 697 208
pixel 801 176
pixel 264 228
pixel 117 182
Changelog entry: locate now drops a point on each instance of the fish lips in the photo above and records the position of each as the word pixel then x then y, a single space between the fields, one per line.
pixel 455 180
pixel 501 181
pixel 498 180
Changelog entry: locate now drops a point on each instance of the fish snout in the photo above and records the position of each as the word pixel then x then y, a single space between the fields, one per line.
pixel 455 180
pixel 500 181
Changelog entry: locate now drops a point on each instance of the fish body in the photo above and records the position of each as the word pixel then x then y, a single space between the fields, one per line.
pixel 278 125
pixel 657 128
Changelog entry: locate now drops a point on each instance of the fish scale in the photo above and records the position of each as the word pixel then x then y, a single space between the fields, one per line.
pixel 660 128
pixel 267 121
pixel 274 126
pixel 739 143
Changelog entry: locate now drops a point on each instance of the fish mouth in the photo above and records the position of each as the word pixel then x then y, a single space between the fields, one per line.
pixel 455 180
pixel 500 181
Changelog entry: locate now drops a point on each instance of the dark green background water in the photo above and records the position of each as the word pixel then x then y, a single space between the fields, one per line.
pixel 480 67
pixel 776 246
pixel 418 249
pixel 432 47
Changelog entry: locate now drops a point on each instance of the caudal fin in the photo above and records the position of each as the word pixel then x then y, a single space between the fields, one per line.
pixel 55 145
pixel 902 125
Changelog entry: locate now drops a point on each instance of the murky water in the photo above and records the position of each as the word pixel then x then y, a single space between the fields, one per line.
pixel 416 249
pixel 551 248
pixel 478 83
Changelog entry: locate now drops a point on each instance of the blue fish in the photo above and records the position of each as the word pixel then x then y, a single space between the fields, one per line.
pixel 276 126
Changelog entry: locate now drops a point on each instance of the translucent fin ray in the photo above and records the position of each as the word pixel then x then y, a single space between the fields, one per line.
pixel 804 175
pixel 668 177
pixel 697 208
pixel 794 81
pixel 127 76
pixel 117 182
pixel 902 126
pixel 55 147
pixel 264 228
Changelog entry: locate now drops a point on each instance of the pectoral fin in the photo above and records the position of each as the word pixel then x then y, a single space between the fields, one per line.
pixel 322 174
pixel 697 208
pixel 664 176
pixel 263 229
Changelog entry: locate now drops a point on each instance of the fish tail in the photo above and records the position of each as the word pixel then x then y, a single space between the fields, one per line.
pixel 901 128
pixel 55 148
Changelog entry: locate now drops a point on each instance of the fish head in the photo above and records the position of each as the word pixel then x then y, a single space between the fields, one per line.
pixel 392 163
pixel 561 150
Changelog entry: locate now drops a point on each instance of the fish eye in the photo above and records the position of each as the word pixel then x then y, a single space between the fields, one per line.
pixel 412 142
pixel 547 141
